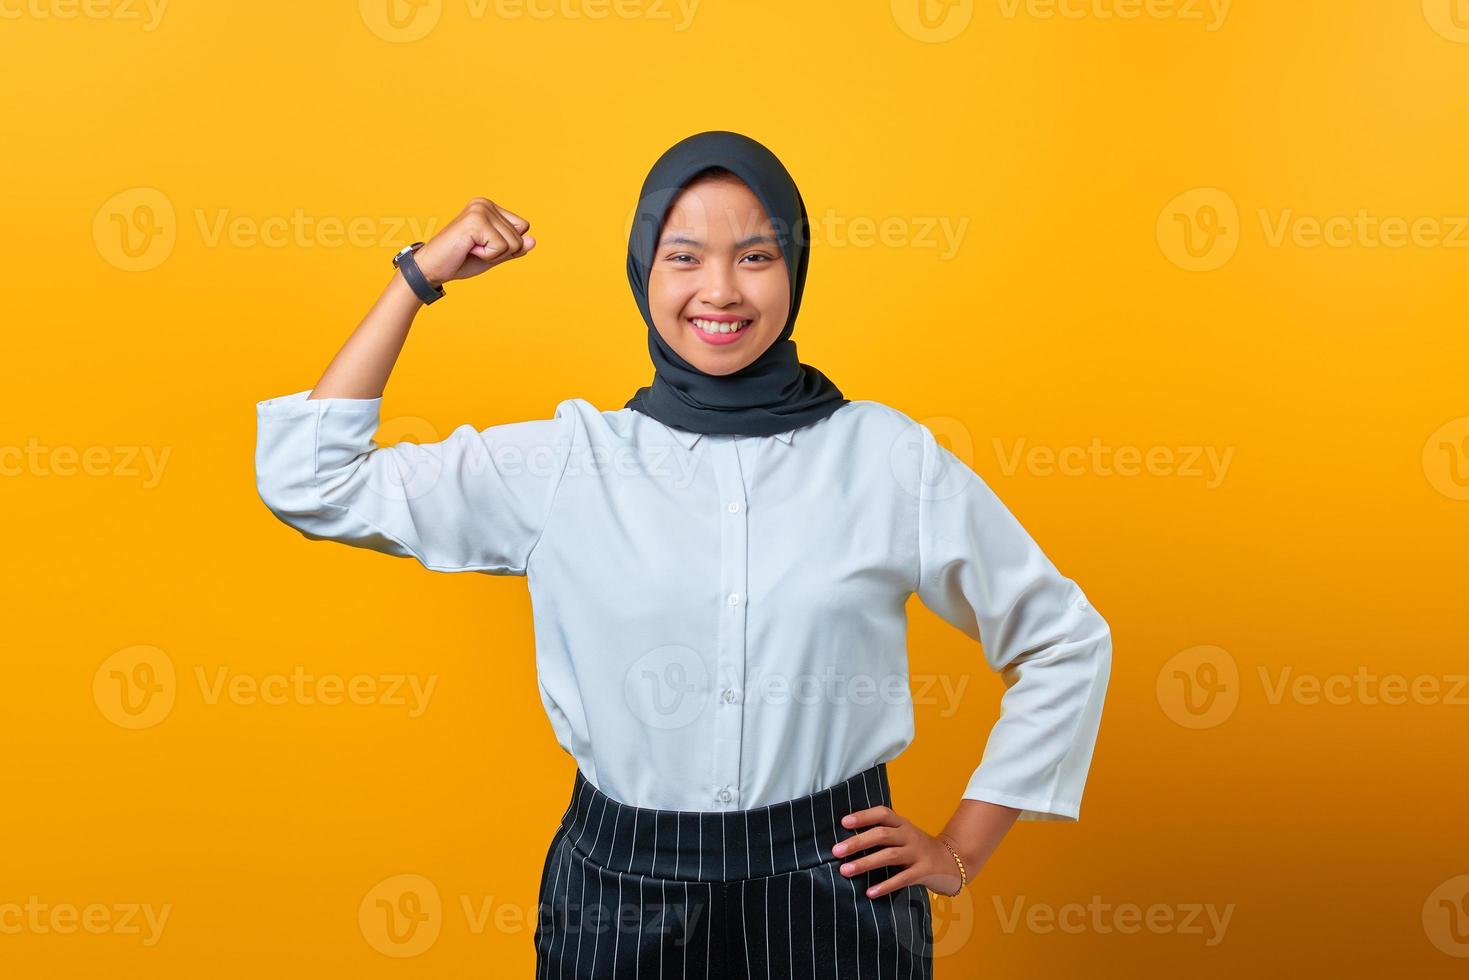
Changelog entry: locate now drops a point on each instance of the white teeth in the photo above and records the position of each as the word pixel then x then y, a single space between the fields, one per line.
pixel 713 326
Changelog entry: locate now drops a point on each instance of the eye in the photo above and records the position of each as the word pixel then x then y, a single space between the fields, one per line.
pixel 680 255
pixel 759 255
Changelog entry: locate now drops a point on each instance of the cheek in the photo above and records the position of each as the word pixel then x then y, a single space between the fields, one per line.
pixel 775 304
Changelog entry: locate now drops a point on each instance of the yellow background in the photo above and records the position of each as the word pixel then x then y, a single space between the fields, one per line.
pixel 1330 830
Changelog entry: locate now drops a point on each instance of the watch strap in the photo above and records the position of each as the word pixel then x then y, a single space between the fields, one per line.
pixel 417 281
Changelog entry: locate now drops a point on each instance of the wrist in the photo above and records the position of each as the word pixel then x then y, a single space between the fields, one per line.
pixel 426 288
pixel 400 292
pixel 961 867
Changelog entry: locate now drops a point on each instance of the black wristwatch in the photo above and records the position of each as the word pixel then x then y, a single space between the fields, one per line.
pixel 405 264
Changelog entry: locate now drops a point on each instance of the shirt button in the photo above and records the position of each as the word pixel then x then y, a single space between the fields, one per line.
pixel 734 598
pixel 729 695
pixel 725 796
pixel 734 507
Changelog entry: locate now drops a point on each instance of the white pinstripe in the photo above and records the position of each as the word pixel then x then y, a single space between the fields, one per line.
pixel 856 914
pixel 912 941
pixel 581 928
pixel 767 928
pixel 744 926
pixel 927 920
pixel 749 872
pixel 816 849
pixel 567 847
pixel 891 914
pixel 617 942
pixel 831 868
pixel 575 802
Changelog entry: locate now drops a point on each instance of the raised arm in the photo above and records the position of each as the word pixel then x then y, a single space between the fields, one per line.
pixel 481 237
pixel 477 501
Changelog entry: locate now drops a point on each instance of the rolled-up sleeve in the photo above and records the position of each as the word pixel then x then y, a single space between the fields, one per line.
pixel 476 502
pixel 981 571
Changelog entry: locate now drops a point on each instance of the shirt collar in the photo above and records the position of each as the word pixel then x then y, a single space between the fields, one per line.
pixel 687 438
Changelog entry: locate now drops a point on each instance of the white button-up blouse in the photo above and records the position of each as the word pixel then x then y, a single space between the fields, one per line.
pixel 720 621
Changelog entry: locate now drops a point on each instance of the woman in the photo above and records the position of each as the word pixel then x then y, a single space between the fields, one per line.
pixel 719 572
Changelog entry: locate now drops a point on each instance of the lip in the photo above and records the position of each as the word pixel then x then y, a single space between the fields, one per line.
pixel 720 339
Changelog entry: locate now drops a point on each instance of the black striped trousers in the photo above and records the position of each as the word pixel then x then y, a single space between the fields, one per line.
pixel 634 892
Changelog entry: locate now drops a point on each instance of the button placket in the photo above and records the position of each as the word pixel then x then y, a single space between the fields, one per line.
pixel 733 570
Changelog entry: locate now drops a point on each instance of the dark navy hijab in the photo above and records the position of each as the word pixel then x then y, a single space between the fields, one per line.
pixel 775 392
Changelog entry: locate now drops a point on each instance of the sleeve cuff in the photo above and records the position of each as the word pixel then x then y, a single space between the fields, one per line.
pixel 297 404
pixel 1030 807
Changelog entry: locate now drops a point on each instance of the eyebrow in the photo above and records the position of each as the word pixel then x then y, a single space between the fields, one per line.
pixel 681 239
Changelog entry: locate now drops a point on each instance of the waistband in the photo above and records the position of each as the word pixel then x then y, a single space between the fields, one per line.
pixel 694 845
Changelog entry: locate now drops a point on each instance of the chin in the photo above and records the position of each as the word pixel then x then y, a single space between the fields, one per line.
pixel 719 369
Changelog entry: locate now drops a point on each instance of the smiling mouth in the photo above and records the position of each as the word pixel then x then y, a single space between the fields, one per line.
pixel 718 327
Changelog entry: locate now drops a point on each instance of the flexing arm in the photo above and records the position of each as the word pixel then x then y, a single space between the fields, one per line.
pixel 482 236
pixel 476 501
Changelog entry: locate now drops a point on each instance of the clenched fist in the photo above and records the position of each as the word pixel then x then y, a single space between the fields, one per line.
pixel 481 237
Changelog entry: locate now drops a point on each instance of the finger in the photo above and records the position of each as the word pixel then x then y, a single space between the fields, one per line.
pixel 908 876
pixel 868 838
pixel 880 859
pixel 871 815
pixel 516 221
pixel 490 243
pixel 507 232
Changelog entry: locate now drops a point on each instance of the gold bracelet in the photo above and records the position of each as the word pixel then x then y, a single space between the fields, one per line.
pixel 963 876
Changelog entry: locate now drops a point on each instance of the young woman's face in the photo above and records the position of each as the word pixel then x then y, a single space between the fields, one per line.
pixel 718 265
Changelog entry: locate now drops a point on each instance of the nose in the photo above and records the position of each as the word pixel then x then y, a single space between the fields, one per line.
pixel 718 287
